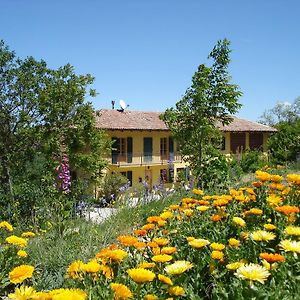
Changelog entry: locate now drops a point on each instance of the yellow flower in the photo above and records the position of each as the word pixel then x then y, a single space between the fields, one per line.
pixel 116 255
pixel 91 267
pixel 199 243
pixel 168 250
pixel 234 266
pixel 234 242
pixel 140 275
pixel 239 221
pixel 6 226
pixel 162 258
pixel 121 291
pixel 269 226
pixel 28 234
pixel 262 235
pixel 127 240
pixel 176 290
pixel 74 269
pixel 146 265
pixel 202 208
pixel 150 297
pixel 217 246
pixel 166 215
pixel 160 241
pixel 254 211
pixel 197 191
pixel 292 230
pixel 15 240
pixel 218 255
pixel 274 200
pixel 290 246
pixel 188 212
pixel 68 294
pixel 20 273
pixel 293 178
pixel 252 272
pixel 178 267
pixel 165 279
pixel 23 293
pixel 22 253
pixel 263 176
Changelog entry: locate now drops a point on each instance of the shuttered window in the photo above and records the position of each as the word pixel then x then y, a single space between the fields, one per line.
pixel 237 141
pixel 256 140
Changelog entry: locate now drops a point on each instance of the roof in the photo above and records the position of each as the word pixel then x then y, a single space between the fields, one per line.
pixel 113 119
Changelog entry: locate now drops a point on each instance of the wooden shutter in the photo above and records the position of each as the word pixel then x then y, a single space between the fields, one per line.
pixel 147 149
pixel 171 148
pixel 115 149
pixel 129 149
pixel 237 141
pixel 256 140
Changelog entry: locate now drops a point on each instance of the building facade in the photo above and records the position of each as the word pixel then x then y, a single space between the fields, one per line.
pixel 144 149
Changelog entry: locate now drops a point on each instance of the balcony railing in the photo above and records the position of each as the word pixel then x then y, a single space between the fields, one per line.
pixel 137 158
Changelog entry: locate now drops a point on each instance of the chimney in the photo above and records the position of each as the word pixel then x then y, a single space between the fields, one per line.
pixel 113 104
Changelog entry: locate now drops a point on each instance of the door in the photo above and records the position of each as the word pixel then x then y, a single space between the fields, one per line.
pixel 147 149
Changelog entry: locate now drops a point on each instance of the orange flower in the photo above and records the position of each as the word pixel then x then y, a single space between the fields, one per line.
pixel 271 258
pixel 127 240
pixel 154 219
pixel 148 226
pixel 140 232
pixel 216 218
pixel 257 184
pixel 160 241
pixel 168 250
pixel 287 209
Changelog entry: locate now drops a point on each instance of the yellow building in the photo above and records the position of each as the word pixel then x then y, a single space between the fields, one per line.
pixel 144 149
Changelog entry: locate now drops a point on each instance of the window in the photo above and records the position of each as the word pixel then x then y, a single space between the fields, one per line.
pixel 128 175
pixel 122 150
pixel 223 143
pixel 164 149
pixel 148 149
pixel 256 140
pixel 237 141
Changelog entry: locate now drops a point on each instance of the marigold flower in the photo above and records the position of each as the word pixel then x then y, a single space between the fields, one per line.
pixel 22 253
pixel 254 211
pixel 15 240
pixel 28 234
pixel 244 235
pixel 146 265
pixel 269 226
pixel 217 246
pixel 220 202
pixel 162 258
pixel 166 215
pixel 262 235
pixel 20 273
pixel 292 230
pixel 140 232
pixel 91 267
pixel 287 209
pixel 176 291
pixel 168 250
pixel 293 178
pixel 6 226
pixel 218 255
pixel 174 206
pixel 216 218
pixel 188 212
pixel 252 272
pixel 139 245
pixel 272 257
pixel 239 221
pixel 234 242
pixel 274 200
pixel 154 219
pixel 197 192
pixel 262 176
pixel 68 294
pixel 150 297
pixel 23 293
pixel 140 275
pixel 160 241
pixel 290 246
pixel 178 267
pixel 276 178
pixel 202 208
pixel 121 291
pixel 74 269
pixel 115 255
pixel 234 266
pixel 257 184
pixel 149 226
pixel 165 279
pixel 155 250
pixel 127 240
pixel 199 243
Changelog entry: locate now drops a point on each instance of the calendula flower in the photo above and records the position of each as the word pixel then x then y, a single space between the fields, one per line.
pixel 154 219
pixel 293 179
pixel 234 266
pixel 188 212
pixel 150 297
pixel 218 255
pixel 168 250
pixel 140 232
pixel 178 267
pixel 22 253
pixel 217 246
pixel 239 221
pixel 234 242
pixel 287 209
pixel 115 255
pixel 148 226
pixel 166 215
pixel 23 293
pixel 262 235
pixel 146 265
pixel 252 272
pixel 216 218
pixel 20 273
pixel 254 211
pixel 199 243
pixel 28 234
pixel 68 294
pixel 197 192
pixel 162 258
pixel 276 178
pixel 269 226
pixel 139 245
pixel 121 291
pixel 161 241
pixel 292 230
pixel 202 208
pixel 220 202
pixel 140 275
pixel 15 240
pixel 272 257
pixel 290 246
pixel 127 240
pixel 6 226
pixel 176 291
pixel 74 269
pixel 92 267
pixel 274 200
pixel 257 184
pixel 262 176
pixel 165 279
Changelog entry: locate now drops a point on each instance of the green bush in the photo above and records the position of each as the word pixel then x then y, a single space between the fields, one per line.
pixel 252 160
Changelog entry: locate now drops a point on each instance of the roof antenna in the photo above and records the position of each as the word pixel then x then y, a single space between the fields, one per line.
pixel 123 105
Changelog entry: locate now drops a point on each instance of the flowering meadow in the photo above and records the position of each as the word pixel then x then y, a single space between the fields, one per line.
pixel 244 244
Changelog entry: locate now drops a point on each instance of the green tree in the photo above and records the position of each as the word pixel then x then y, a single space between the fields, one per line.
pixel 210 99
pixel 43 113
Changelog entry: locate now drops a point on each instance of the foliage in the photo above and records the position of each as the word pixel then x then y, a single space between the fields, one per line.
pixel 252 160
pixel 211 99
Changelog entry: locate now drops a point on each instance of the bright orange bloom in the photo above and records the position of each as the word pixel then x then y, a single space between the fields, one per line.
pixel 140 232
pixel 287 209
pixel 148 226
pixel 154 219
pixel 216 218
pixel 272 257
pixel 127 240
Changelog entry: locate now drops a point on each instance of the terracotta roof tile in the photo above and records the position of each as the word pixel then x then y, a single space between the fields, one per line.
pixel 138 120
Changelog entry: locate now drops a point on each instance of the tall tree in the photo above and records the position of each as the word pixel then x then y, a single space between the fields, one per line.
pixel 210 99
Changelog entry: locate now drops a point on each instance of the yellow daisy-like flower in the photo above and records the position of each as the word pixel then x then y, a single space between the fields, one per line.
pixel 165 279
pixel 15 240
pixel 290 246
pixel 146 265
pixel 127 240
pixel 166 215
pixel 178 267
pixel 6 226
pixel 274 200
pixel 197 191
pixel 262 235
pixel 121 291
pixel 262 176
pixel 140 275
pixel 269 226
pixel 218 255
pixel 92 267
pixel 293 178
pixel 20 273
pixel 42 296
pixel 198 243
pixel 292 230
pixel 252 272
pixel 161 241
pixel 74 269
pixel 23 293
pixel 239 221
pixel 162 258
pixel 168 250
pixel 28 234
pixel 202 208
pixel 176 290
pixel 68 294
pixel 150 297
pixel 217 246
pixel 234 266
pixel 115 255
pixel 254 211
pixel 22 253
pixel 234 242
pixel 188 212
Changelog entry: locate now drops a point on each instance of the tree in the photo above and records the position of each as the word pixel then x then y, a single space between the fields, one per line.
pixel 210 99
pixel 43 113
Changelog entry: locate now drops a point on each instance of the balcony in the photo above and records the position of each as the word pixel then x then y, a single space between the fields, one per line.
pixel 141 159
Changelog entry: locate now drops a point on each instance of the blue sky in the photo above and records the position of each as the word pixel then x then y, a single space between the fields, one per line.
pixel 145 52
